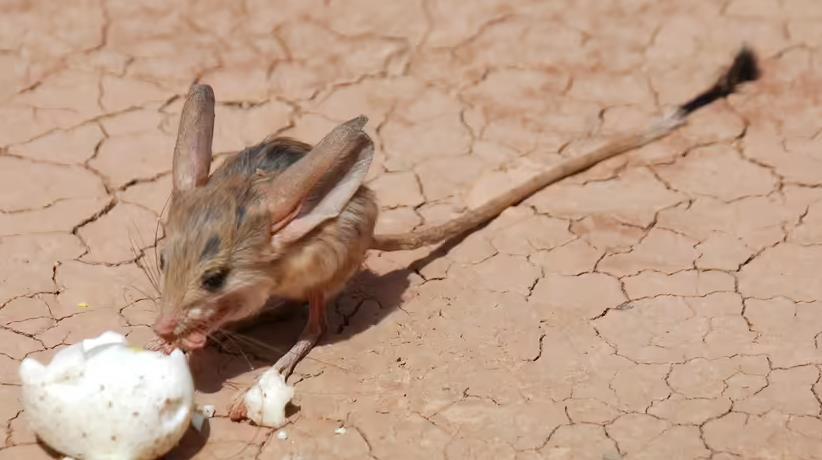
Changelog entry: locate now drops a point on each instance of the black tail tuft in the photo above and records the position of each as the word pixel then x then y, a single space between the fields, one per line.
pixel 743 69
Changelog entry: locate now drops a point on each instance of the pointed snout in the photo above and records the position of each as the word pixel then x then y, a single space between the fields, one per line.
pixel 165 326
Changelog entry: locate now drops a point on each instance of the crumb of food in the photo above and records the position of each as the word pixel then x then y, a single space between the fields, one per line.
pixel 282 435
pixel 82 305
pixel 340 430
pixel 208 410
pixel 87 401
pixel 265 401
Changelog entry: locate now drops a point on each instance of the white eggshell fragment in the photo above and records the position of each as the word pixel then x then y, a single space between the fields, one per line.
pixel 101 399
pixel 209 410
pixel 265 401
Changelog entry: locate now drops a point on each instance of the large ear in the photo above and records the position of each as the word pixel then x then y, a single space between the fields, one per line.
pixel 321 183
pixel 192 153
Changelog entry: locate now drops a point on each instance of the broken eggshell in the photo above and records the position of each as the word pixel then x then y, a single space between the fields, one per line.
pixel 265 401
pixel 101 399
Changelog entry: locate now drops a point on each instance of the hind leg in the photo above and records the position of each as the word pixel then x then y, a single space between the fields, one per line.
pixel 317 326
pixel 345 240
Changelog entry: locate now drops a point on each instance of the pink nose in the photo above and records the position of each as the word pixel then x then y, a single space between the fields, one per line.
pixel 164 327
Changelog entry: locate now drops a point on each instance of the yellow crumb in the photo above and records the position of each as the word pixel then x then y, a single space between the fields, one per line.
pixel 82 305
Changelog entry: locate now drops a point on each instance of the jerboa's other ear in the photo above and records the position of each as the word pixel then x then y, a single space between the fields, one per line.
pixel 192 153
pixel 320 184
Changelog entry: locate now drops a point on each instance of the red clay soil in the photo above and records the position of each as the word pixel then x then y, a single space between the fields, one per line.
pixel 665 304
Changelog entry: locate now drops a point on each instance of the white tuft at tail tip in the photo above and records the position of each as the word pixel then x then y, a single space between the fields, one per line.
pixel 666 124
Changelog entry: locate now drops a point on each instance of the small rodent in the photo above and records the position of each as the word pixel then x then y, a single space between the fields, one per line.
pixel 282 219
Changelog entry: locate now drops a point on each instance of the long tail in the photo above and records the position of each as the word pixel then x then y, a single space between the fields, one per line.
pixel 744 68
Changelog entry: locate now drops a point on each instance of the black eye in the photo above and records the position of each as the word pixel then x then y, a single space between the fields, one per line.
pixel 214 280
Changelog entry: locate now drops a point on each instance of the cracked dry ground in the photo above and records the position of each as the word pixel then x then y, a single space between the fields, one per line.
pixel 663 305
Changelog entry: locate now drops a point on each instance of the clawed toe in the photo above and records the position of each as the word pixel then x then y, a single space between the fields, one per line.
pixel 158 344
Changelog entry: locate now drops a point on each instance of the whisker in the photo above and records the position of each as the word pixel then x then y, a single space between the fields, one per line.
pixel 239 348
pixel 152 281
pixel 127 303
pixel 157 236
pixel 136 246
pixel 151 266
pixel 139 256
pixel 146 296
pixel 217 340
pixel 144 264
pixel 146 270
pixel 268 347
pixel 253 342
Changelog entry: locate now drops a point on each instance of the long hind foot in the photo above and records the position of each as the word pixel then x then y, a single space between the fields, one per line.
pixel 315 328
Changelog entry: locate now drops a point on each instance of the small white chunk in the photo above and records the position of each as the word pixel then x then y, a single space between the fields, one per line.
pixel 282 435
pixel 265 401
pixel 208 410
pixel 340 430
pixel 101 399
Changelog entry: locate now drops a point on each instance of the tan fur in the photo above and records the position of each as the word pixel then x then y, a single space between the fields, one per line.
pixel 321 262
pixel 331 255
pixel 280 249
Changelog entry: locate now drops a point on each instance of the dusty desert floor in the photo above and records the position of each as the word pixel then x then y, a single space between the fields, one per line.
pixel 665 304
